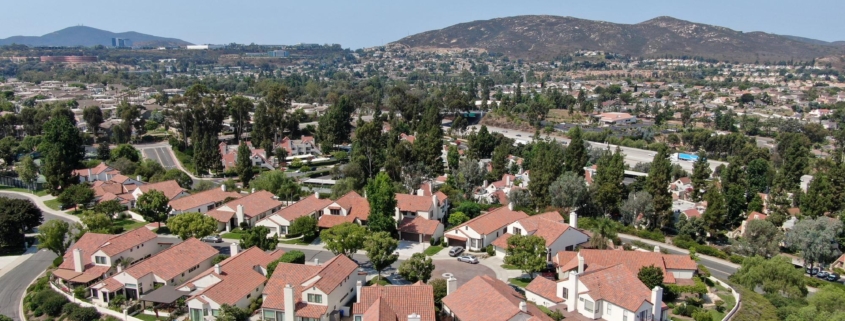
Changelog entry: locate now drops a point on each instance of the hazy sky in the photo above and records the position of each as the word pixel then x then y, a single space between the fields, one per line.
pixel 364 23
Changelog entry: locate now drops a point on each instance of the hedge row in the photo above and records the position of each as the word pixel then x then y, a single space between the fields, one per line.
pixel 689 244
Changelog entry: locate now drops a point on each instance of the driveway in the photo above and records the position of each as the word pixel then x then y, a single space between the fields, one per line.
pixel 406 248
pixel 463 272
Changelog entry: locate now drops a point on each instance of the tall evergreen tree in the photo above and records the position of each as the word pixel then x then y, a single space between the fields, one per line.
pixel 545 169
pixel 382 199
pixel 575 157
pixel 818 199
pixel 63 150
pixel 610 171
pixel 500 160
pixel 700 174
pixel 239 109
pixel 716 213
pixel 243 164
pixel 368 148
pixel 657 184
pixel 335 126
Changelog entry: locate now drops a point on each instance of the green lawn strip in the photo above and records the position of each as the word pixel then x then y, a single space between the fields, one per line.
pixel 53 204
pixel 128 224
pixel 230 235
pixel 380 281
pixel 432 250
pixel 147 317
pixel 23 190
pixel 298 241
pixel 521 282
pixel 509 267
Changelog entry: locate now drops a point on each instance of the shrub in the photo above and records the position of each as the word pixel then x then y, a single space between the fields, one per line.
pixel 703 271
pixel 736 259
pixel 84 314
pixel 490 250
pixel 58 261
pixel 54 304
pixel 117 301
pixel 80 292
pixel 37 312
pixel 293 257
pixel 69 308
pixel 702 315
pixel 432 241
pixel 720 305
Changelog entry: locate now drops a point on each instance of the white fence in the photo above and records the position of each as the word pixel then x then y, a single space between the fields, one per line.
pixel 736 296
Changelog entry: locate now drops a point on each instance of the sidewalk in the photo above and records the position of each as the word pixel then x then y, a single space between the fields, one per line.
pixel 39 201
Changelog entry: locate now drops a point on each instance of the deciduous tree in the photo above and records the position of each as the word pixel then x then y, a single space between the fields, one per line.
pixel 54 236
pixel 774 276
pixel 417 268
pixel 382 199
pixel 527 252
pixel 346 238
pixel 153 206
pixel 381 250
pixel 305 226
pixel 195 224
pixel 816 239
pixel 569 191
pixel 257 236
pixel 638 203
pixel 651 276
pixel 761 238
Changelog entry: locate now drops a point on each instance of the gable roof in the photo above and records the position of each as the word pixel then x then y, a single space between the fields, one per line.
pixel 239 276
pixel 304 207
pixel 170 188
pixel 486 298
pixel 88 243
pixel 493 220
pixel 545 288
pixel 175 260
pixel 255 203
pixel 402 300
pixel 331 274
pixel 214 195
pixel 356 205
pixel 419 225
pixel 604 284
pixel 413 203
pixel 125 241
pixel 632 260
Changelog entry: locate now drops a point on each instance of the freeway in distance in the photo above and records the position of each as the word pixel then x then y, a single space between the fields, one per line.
pixel 632 155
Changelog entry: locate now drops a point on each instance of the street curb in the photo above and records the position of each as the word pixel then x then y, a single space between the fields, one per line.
pixel 20 303
pixel 43 207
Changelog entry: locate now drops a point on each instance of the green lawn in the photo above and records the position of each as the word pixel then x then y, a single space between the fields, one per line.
pixel 299 241
pixel 432 250
pixel 380 281
pixel 147 317
pixel 730 302
pixel 53 204
pixel 23 190
pixel 521 282
pixel 230 235
pixel 509 267
pixel 128 224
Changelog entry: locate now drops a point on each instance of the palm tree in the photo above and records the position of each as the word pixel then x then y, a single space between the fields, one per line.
pixel 603 231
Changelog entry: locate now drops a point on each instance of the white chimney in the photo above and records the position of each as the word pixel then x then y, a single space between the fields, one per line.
pixel 523 307
pixel 657 302
pixel 572 300
pixel 451 285
pixel 223 187
pixel 217 269
pixel 139 178
pixel 580 263
pixel 358 287
pixel 239 213
pixel 573 219
pixel 317 195
pixel 233 249
pixel 510 206
pixel 316 261
pixel 414 317
pixel 507 180
pixel 656 249
pixel 78 266
pixel 484 185
pixel 289 303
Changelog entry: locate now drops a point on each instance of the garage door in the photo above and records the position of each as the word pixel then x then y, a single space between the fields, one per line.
pixel 413 237
pixel 458 243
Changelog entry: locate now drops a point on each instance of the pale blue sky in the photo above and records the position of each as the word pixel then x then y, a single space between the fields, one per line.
pixel 364 23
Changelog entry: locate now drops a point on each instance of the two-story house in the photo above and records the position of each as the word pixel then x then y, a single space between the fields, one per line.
pixel 482 230
pixel 401 303
pixel 489 299
pixel 203 201
pixel 349 208
pixel 279 223
pixel 248 209
pixel 101 172
pixel 257 156
pixel 558 235
pixel 677 269
pixel 235 281
pixel 298 147
pixel 172 266
pixel 419 217
pixel 171 190
pixel 94 255
pixel 299 292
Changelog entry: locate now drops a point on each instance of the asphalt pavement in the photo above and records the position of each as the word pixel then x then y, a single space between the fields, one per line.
pixel 718 268
pixel 161 155
pixel 13 284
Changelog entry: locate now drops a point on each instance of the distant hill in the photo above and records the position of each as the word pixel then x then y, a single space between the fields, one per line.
pixel 549 36
pixel 89 37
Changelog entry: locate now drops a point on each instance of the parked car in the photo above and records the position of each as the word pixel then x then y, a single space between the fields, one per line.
pixel 455 251
pixel 212 239
pixel 822 274
pixel 812 270
pixel 833 277
pixel 468 259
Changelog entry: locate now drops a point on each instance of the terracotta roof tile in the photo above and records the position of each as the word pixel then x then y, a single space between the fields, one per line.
pixel 632 260
pixel 221 216
pixel 175 260
pixel 255 203
pixel 212 196
pixel 494 220
pixel 331 273
pixel 413 203
pixel 329 221
pixel 404 300
pixel 380 312
pixel 486 298
pixel 170 188
pixel 357 205
pixel 545 288
pixel 419 225
pixel 239 276
pixel 127 240
pixel 604 284
pixel 304 207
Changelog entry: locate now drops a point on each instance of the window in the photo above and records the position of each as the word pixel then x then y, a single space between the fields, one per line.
pixel 608 309
pixel 269 315
pixel 100 259
pixel 517 231
pixel 335 211
pixel 315 298
pixel 215 312
pixel 642 315
pixel 588 306
pixel 565 293
pixel 357 318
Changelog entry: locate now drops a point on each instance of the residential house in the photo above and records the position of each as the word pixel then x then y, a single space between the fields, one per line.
pixel 753 216
pixel 482 230
pixel 172 266
pixel 558 235
pixel 279 223
pixel 613 118
pixel 612 293
pixel 203 201
pixel 229 156
pixel 419 217
pixel 300 147
pixel 247 210
pixel 112 190
pixel 310 292
pixel 101 172
pixel 236 281
pixel 349 208
pixel 489 299
pixel 681 188
pixel 677 269
pixel 396 303
pixel 171 190
pixel 92 257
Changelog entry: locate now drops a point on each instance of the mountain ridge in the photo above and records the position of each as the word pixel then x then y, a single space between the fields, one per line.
pixel 546 36
pixel 88 37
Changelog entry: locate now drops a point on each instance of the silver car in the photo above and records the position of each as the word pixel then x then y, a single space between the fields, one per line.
pixel 468 259
pixel 212 239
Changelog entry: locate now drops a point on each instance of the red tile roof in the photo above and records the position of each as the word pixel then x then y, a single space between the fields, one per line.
pixel 494 220
pixel 221 216
pixel 605 284
pixel 212 196
pixel 356 205
pixel 96 170
pixel 380 312
pixel 88 243
pixel 545 288
pixel 331 274
pixel 419 225
pixel 238 278
pixel 632 260
pixel 127 240
pixel 329 221
pixel 486 298
pixel 256 203
pixel 170 188
pixel 403 300
pixel 306 206
pixel 172 262
pixel 413 203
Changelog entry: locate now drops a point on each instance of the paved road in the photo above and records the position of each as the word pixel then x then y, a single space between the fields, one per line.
pixel 161 155
pixel 632 155
pixel 717 268
pixel 14 283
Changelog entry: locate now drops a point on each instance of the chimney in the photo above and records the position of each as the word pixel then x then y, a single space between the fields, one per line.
pixel 119 268
pixel 572 300
pixel 414 317
pixel 510 206
pixel 358 287
pixel 233 249
pixel 317 195
pixel 573 219
pixel 78 266
pixel 290 303
pixel 451 285
pixel 239 213
pixel 484 185
pixel 580 263
pixel 657 302
pixel 656 249
pixel 89 175
pixel 507 180
pixel 523 307
pixel 223 187
pixel 316 261
pixel 139 178
pixel 217 269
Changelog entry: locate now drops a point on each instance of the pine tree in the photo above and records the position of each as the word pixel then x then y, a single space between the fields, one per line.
pixel 700 174
pixel 657 184
pixel 610 171
pixel 716 212
pixel 575 157
pixel 243 164
pixel 545 169
pixel 63 151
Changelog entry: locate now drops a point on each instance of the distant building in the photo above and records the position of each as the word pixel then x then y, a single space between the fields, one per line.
pixel 70 59
pixel 204 47
pixel 121 43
